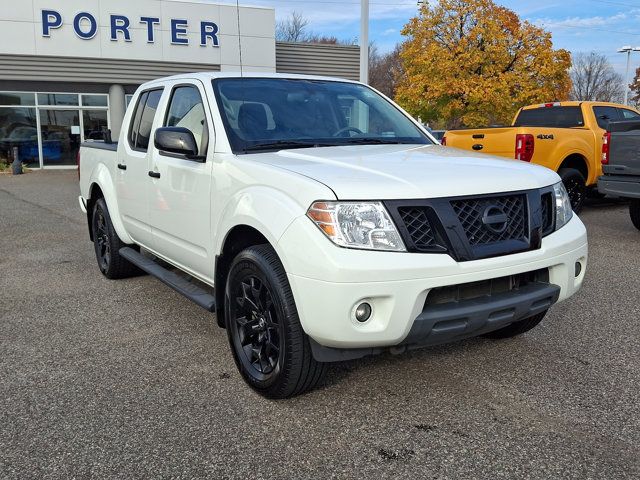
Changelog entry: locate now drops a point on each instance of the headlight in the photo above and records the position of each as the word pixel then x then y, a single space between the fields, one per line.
pixel 357 225
pixel 563 205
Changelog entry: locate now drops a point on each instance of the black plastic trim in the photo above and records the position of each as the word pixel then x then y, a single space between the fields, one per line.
pixel 179 284
pixel 451 236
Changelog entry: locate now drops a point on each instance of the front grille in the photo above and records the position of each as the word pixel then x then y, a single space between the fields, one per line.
pixel 470 214
pixel 483 288
pixel 417 224
pixel 547 213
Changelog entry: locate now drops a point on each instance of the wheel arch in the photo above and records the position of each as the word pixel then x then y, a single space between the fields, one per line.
pixel 578 162
pixel 238 238
pixel 101 183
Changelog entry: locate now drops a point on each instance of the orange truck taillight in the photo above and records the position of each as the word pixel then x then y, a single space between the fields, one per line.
pixel 443 142
pixel 524 147
pixel 606 142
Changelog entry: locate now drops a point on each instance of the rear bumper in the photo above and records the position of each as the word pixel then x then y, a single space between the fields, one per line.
pixel 626 186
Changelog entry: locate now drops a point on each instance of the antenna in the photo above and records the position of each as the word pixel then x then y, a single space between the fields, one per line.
pixel 239 38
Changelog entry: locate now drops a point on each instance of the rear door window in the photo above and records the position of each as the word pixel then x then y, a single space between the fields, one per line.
pixel 558 117
pixel 604 115
pixel 629 114
pixel 143 117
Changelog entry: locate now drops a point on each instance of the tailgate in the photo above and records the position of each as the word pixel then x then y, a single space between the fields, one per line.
pixel 495 141
pixel 624 148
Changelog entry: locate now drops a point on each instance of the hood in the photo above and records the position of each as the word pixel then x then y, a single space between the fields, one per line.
pixel 386 172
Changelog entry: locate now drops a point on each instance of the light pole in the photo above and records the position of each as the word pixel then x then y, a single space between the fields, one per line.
pixel 364 41
pixel 627 49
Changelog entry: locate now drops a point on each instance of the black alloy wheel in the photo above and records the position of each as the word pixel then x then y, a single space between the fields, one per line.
pixel 269 346
pixel 258 330
pixel 575 184
pixel 107 245
pixel 101 237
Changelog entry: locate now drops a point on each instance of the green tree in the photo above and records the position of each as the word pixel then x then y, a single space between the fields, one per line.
pixel 473 63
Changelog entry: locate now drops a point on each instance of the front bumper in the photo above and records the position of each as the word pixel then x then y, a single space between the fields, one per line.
pixel 328 282
pixel 626 186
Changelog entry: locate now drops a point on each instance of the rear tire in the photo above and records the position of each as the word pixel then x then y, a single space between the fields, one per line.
pixel 269 346
pixel 107 245
pixel 576 186
pixel 516 328
pixel 634 212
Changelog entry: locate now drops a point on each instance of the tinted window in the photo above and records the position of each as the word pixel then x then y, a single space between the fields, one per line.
pixel 143 119
pixel 294 113
pixel 604 115
pixel 146 120
pixel 628 114
pixel 186 110
pixel 135 122
pixel 559 117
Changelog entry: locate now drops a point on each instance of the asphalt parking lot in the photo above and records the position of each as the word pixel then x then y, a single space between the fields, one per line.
pixel 127 379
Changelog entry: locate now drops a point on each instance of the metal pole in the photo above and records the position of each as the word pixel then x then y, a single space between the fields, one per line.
pixel 626 79
pixel 364 41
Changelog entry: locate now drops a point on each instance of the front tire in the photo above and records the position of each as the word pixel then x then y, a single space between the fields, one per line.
pixel 516 328
pixel 576 186
pixel 269 346
pixel 107 245
pixel 634 212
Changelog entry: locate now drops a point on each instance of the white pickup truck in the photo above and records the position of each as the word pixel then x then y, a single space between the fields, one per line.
pixel 320 222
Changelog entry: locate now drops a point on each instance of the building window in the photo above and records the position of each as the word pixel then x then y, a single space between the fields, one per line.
pixel 94 123
pixel 60 133
pixel 17 98
pixel 18 128
pixel 65 120
pixel 95 100
pixel 58 99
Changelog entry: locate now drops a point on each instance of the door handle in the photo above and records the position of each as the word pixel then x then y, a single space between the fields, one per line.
pixel 122 166
pixel 477 146
pixel 154 174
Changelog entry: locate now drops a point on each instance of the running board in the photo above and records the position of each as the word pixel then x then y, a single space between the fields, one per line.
pixel 175 281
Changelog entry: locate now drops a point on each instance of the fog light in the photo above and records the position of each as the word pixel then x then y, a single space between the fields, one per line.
pixel 578 268
pixel 363 312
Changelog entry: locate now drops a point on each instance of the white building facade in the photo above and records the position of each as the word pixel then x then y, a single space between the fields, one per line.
pixel 69 67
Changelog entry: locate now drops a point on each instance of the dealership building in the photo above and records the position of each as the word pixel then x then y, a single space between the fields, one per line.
pixel 68 68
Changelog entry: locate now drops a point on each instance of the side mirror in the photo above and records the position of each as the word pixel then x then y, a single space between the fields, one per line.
pixel 177 140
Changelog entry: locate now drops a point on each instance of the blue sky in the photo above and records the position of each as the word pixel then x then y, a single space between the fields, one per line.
pixel 576 25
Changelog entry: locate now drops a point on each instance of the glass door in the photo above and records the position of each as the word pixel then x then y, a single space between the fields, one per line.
pixel 60 133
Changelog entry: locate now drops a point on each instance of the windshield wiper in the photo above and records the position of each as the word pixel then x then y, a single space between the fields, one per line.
pixel 283 144
pixel 372 141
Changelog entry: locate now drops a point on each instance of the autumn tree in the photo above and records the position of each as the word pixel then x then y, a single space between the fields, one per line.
pixel 593 78
pixel 385 70
pixel 473 63
pixel 635 88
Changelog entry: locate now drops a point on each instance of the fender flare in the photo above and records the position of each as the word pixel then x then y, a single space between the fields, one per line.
pixel 251 207
pixel 103 179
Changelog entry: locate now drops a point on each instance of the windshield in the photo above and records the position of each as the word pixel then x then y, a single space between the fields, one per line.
pixel 277 113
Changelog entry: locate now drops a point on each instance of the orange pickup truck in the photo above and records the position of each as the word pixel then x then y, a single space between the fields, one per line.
pixel 563 136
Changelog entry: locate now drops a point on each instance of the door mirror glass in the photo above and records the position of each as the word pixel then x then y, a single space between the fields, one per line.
pixel 178 140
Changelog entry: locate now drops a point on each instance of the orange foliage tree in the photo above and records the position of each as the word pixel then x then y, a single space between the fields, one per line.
pixel 471 63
